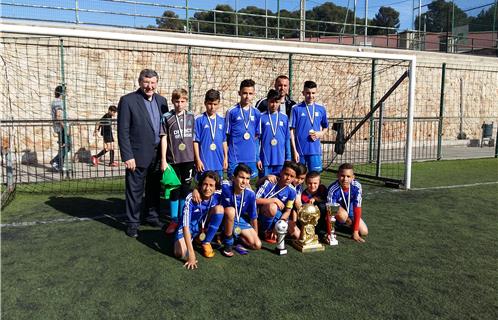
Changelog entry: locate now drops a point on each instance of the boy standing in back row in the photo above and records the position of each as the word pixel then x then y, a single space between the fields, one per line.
pixel 308 124
pixel 242 129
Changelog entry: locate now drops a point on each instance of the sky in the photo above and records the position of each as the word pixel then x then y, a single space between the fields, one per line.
pixel 126 14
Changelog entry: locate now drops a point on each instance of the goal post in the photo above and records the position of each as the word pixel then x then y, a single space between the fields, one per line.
pixel 112 58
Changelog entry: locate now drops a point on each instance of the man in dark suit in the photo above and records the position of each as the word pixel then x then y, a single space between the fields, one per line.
pixel 282 86
pixel 139 117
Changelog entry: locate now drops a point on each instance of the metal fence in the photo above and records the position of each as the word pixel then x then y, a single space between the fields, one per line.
pixel 191 17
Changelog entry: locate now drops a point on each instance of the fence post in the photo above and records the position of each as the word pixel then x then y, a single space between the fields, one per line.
pixel 496 144
pixel 291 74
pixel 187 29
pixel 378 162
pixel 372 104
pixel 189 62
pixel 441 113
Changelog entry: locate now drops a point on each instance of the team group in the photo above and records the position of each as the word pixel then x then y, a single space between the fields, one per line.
pixel 277 141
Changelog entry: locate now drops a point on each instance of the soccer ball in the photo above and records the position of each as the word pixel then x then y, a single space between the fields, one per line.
pixel 281 227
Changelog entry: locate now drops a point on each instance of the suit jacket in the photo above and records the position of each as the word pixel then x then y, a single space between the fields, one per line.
pixel 135 132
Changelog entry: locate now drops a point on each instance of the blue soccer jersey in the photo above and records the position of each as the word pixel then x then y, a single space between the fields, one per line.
pixel 248 209
pixel 303 119
pixel 193 214
pixel 286 194
pixel 209 132
pixel 274 134
pixel 348 200
pixel 242 128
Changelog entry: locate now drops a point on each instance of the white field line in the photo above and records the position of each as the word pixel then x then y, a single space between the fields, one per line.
pixel 367 195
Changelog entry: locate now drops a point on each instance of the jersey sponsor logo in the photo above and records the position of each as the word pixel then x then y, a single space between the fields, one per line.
pixel 252 118
pixel 267 123
pixel 281 123
pixel 206 126
pixel 220 126
pixel 317 114
pixel 238 118
pixel 196 210
pixel 302 114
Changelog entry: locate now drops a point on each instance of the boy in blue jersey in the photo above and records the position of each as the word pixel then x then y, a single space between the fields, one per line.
pixel 274 136
pixel 346 192
pixel 241 217
pixel 210 145
pixel 199 220
pixel 301 172
pixel 242 129
pixel 275 202
pixel 308 124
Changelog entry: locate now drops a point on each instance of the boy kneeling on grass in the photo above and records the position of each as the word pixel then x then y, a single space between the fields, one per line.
pixel 200 220
pixel 275 202
pixel 346 192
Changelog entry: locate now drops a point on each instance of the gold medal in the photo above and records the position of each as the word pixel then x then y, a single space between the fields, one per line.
pixel 182 146
pixel 202 236
pixel 247 136
pixel 212 146
pixel 237 231
pixel 311 131
pixel 274 142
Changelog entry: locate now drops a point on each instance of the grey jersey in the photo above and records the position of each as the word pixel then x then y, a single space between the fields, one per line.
pixel 54 107
pixel 176 136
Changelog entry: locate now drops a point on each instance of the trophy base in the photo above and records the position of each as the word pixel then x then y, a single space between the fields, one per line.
pixel 333 242
pixel 280 252
pixel 307 247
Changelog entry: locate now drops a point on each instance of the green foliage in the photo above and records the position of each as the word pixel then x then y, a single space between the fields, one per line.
pixel 387 17
pixel 484 20
pixel 440 15
pixel 170 21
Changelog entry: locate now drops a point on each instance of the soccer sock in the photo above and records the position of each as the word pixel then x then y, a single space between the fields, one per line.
pixel 173 209
pixel 266 222
pixel 111 153
pixel 228 241
pixel 214 224
pixel 101 153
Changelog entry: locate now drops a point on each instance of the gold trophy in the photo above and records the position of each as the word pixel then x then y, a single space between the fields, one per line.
pixel 332 210
pixel 308 215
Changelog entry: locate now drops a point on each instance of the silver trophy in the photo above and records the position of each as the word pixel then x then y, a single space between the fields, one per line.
pixel 332 209
pixel 281 230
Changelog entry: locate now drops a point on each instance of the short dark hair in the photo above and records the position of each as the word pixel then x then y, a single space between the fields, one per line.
pixel 242 167
pixel 312 174
pixel 147 73
pixel 309 84
pixel 209 174
pixel 59 91
pixel 112 108
pixel 346 166
pixel 212 95
pixel 282 76
pixel 247 83
pixel 273 95
pixel 291 165
pixel 302 169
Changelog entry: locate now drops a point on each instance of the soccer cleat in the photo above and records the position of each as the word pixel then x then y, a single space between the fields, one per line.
pixel 114 164
pixel 95 160
pixel 269 237
pixel 227 251
pixel 241 250
pixel 207 250
pixel 171 228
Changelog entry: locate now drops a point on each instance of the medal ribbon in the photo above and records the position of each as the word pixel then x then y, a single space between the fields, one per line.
pixel 244 118
pixel 238 211
pixel 271 195
pixel 212 128
pixel 344 199
pixel 182 132
pixel 203 222
pixel 312 118
pixel 273 131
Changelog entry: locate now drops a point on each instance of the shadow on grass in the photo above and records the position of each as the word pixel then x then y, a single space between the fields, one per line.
pixel 157 240
pixel 109 211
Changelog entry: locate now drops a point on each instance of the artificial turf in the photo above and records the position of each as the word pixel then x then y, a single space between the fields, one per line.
pixel 430 254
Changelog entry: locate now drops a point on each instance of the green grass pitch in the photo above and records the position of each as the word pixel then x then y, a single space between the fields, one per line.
pixel 431 254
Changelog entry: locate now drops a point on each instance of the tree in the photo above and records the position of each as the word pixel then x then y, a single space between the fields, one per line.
pixel 484 20
pixel 387 17
pixel 205 22
pixel 326 13
pixel 170 21
pixel 439 17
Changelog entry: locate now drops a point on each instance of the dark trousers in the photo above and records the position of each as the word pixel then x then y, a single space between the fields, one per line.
pixel 142 193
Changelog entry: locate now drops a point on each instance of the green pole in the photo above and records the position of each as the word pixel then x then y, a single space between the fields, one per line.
pixel 441 113
pixel 236 20
pixel 64 111
pixel 290 74
pixel 372 104
pixel 278 19
pixel 186 16
pixel 189 61
pixel 496 144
